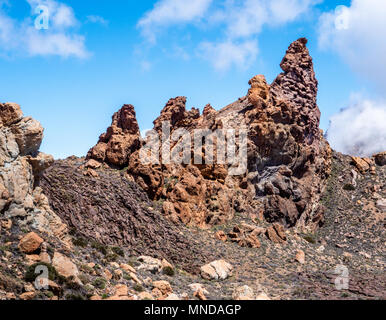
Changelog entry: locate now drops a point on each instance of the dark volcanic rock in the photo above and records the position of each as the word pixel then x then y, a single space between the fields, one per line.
pixel 112 210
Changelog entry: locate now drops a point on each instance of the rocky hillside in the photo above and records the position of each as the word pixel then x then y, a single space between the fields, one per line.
pixel 299 222
pixel 103 205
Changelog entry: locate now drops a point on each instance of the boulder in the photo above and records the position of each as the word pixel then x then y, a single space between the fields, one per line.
pixel 163 286
pixel 288 159
pixel 216 270
pixel 246 236
pixel 127 268
pixel 200 295
pixel 21 166
pixel 28 295
pixel 362 165
pixel 150 264
pixel 276 233
pixel 380 159
pixel 220 235
pixel 198 287
pixel 262 297
pixel 65 267
pixel 381 205
pixel 243 293
pixel 121 290
pixel 30 243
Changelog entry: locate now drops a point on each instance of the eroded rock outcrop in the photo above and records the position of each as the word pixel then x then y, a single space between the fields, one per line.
pixel 288 158
pixel 120 140
pixel 287 151
pixel 21 165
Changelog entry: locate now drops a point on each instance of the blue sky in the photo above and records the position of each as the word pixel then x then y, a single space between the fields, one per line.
pixel 98 55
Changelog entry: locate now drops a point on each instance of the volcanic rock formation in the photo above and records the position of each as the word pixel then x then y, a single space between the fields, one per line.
pixel 120 140
pixel 288 158
pixel 288 152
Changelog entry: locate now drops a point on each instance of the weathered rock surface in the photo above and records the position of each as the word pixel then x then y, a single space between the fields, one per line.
pixel 288 158
pixel 64 266
pixel 243 293
pixel 120 140
pixel 21 165
pixel 380 159
pixel 30 243
pixel 216 270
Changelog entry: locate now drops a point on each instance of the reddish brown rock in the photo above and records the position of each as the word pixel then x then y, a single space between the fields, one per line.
pixel 361 164
pixel 28 296
pixel 65 266
pixel 220 235
pixel 30 243
pixel 288 158
pixel 163 286
pixel 199 294
pixel 93 164
pixel 121 139
pixel 245 236
pixel 276 233
pixel 10 113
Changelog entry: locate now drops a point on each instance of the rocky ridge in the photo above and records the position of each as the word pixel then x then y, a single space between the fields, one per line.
pixel 288 158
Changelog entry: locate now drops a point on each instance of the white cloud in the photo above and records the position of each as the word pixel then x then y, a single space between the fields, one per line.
pixel 360 129
pixel 58 44
pixel 97 19
pixel 7 29
pixel 61 15
pixel 357 33
pixel 224 55
pixel 64 17
pixel 171 12
pixel 239 22
pixel 60 39
pixel 247 18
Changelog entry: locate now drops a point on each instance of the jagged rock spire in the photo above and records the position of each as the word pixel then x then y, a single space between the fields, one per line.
pixel 126 119
pixel 297 83
pixel 120 140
